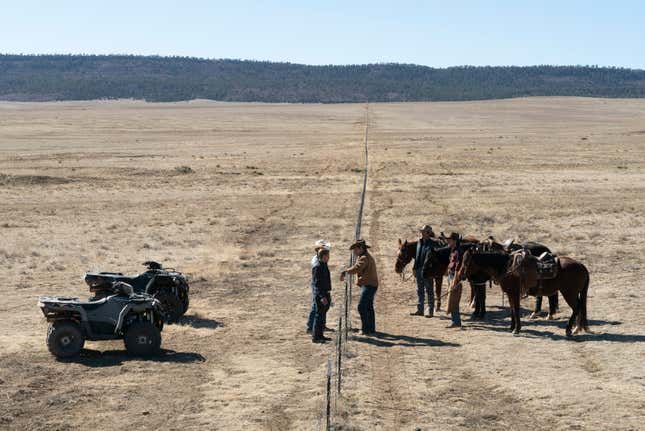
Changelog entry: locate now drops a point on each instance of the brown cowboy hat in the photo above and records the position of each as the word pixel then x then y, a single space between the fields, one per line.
pixel 359 243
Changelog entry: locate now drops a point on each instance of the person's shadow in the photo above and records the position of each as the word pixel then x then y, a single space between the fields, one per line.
pixel 383 339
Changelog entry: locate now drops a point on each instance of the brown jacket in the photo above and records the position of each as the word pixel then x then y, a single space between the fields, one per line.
pixel 365 268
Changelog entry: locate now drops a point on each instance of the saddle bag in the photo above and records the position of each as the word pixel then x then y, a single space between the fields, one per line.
pixel 547 266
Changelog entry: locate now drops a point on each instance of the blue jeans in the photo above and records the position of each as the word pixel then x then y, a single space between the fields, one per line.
pixel 424 286
pixel 312 313
pixel 319 320
pixel 366 309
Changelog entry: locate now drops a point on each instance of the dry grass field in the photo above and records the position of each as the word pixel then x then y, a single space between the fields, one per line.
pixel 104 185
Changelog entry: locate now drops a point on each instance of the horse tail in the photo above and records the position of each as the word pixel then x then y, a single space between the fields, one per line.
pixel 582 302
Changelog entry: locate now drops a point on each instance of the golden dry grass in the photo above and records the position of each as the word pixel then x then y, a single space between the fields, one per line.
pixel 100 185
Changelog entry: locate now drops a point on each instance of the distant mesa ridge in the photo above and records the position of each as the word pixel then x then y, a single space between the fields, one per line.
pixel 165 79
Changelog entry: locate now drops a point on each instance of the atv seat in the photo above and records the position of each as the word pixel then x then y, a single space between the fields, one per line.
pixel 91 305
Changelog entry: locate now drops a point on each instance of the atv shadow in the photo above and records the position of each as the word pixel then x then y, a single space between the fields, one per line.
pixel 196 321
pixel 111 358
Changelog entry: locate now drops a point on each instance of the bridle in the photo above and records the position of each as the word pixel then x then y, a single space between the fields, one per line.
pixel 401 263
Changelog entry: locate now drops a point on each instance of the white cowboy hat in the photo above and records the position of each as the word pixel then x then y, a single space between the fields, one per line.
pixel 322 244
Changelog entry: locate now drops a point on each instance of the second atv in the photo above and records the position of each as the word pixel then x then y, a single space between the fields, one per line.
pixel 123 314
pixel 168 286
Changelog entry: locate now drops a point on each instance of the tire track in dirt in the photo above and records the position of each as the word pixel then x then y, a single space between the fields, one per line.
pixel 387 364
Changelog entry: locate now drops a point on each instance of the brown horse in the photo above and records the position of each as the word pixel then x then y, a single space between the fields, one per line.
pixel 406 254
pixel 572 282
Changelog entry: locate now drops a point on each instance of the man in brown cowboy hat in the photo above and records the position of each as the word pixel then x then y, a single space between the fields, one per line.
pixel 454 285
pixel 367 280
pixel 424 285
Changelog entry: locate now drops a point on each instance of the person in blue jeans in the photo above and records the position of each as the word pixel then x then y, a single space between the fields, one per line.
pixel 424 285
pixel 367 280
pixel 321 244
pixel 322 294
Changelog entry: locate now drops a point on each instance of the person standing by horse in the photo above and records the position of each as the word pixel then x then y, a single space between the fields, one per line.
pixel 367 280
pixel 425 245
pixel 321 244
pixel 454 292
pixel 321 282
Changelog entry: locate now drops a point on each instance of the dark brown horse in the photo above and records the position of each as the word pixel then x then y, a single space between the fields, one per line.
pixel 406 254
pixel 572 282
pixel 536 249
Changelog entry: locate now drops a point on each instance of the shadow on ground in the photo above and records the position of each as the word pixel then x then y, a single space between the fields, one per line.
pixel 499 321
pixel 383 339
pixel 111 358
pixel 196 321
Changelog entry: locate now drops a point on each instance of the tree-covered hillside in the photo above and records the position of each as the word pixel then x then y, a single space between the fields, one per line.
pixel 82 77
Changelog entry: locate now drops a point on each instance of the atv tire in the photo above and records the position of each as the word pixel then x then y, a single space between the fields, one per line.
pixel 171 306
pixel 64 338
pixel 185 302
pixel 142 339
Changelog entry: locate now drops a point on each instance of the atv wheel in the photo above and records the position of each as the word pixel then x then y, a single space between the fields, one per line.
pixel 142 339
pixel 64 338
pixel 171 306
pixel 184 304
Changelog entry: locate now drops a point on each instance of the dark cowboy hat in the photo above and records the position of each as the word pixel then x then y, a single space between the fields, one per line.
pixel 454 236
pixel 426 228
pixel 359 243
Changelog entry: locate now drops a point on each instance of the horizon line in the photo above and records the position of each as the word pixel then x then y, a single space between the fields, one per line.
pixel 3 54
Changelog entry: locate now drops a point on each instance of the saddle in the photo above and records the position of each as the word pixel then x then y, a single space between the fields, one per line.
pixel 533 270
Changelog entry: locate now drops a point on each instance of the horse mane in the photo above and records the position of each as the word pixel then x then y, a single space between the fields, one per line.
pixel 412 245
pixel 497 261
pixel 442 253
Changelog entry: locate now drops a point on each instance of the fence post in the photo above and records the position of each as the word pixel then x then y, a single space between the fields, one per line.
pixel 328 409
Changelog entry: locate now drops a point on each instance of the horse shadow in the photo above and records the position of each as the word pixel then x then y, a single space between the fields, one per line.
pixel 382 339
pixel 196 321
pixel 498 321
pixel 110 358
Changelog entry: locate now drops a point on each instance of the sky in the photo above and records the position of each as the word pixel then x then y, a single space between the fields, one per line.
pixel 432 33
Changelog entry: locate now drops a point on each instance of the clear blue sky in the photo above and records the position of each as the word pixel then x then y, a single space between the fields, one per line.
pixel 434 33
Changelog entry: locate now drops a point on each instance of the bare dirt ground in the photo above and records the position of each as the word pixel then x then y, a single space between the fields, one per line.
pixel 100 185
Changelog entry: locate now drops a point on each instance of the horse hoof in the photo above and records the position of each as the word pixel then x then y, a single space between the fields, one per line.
pixel 569 333
pixel 577 330
pixel 516 332
pixel 534 315
pixel 550 317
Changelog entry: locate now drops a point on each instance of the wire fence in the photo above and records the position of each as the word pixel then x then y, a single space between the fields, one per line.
pixel 334 374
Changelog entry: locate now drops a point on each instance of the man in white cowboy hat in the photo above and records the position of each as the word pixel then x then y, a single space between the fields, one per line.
pixel 321 244
pixel 367 280
pixel 425 244
pixel 321 282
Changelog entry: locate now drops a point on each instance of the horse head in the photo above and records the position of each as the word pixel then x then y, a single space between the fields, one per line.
pixel 403 256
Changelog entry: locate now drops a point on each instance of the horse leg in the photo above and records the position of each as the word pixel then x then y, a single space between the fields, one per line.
pixel 472 295
pixel 511 303
pixel 437 290
pixel 516 311
pixel 572 299
pixel 537 309
pixel 553 305
pixel 583 323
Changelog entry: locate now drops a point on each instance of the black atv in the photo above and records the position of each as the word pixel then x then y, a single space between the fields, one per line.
pixel 136 318
pixel 168 286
